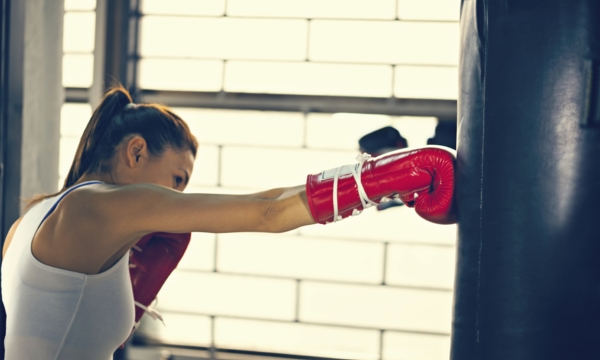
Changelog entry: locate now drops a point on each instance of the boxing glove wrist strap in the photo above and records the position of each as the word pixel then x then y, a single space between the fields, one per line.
pixel 356 171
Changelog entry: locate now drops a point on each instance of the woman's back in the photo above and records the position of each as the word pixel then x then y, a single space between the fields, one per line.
pixel 60 314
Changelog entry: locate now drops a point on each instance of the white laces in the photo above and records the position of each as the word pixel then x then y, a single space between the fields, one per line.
pixel 356 171
pixel 153 313
pixel 150 311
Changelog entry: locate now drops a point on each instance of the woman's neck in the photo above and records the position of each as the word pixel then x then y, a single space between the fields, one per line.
pixel 105 178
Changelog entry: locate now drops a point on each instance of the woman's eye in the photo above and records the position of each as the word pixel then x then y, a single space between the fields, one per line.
pixel 178 180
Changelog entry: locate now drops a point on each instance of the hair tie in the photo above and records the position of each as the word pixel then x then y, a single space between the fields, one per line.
pixel 130 106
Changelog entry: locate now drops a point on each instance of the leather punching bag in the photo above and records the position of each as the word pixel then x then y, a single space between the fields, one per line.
pixel 528 175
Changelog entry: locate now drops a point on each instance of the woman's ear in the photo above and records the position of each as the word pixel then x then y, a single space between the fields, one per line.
pixel 136 151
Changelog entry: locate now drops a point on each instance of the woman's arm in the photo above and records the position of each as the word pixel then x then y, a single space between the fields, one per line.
pixel 422 178
pixel 135 210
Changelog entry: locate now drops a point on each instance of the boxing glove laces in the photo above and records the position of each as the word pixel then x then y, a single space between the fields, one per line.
pixel 151 261
pixel 422 178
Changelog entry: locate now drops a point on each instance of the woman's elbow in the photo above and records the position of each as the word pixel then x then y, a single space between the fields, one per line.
pixel 273 217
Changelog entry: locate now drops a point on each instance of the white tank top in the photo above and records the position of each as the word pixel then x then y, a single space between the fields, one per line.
pixel 59 314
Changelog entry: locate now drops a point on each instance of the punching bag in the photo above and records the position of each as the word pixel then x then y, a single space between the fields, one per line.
pixel 528 181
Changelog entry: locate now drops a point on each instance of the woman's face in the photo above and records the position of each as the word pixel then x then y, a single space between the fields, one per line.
pixel 135 165
pixel 173 169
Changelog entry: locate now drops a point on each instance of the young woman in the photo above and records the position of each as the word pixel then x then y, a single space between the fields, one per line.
pixel 65 281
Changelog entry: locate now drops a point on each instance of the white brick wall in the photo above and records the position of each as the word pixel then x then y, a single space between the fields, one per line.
pixel 223 38
pixel 301 339
pixel 181 329
pixel 399 224
pixel 387 42
pixel 206 166
pixel 314 291
pixel 421 265
pixel 322 130
pixel 181 74
pixel 235 127
pixel 265 168
pixel 308 78
pixel 426 82
pixel 212 293
pixel 312 9
pixel 299 47
pixel 301 257
pixel 381 307
pixel 200 254
pixel 184 7
pixel 443 10
pixel 406 346
pixel 265 149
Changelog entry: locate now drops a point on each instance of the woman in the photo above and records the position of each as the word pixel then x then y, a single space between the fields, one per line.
pixel 65 282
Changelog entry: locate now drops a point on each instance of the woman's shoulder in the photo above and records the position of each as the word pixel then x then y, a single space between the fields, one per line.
pixel 75 235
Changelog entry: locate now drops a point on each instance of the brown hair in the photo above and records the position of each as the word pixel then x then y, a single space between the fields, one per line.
pixel 113 120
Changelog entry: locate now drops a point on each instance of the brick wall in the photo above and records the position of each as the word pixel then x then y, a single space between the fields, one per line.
pixel 377 286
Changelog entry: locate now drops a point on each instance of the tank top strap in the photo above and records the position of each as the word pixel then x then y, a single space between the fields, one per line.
pixel 51 210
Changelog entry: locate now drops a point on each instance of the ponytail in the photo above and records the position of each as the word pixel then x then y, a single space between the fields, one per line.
pixel 115 101
pixel 114 119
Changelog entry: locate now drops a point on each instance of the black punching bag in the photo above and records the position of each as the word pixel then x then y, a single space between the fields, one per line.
pixel 528 181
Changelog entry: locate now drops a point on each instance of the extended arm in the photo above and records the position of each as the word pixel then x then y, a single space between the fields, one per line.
pixel 423 178
pixel 146 208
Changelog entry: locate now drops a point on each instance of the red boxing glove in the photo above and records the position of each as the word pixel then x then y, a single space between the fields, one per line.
pixel 151 261
pixel 421 178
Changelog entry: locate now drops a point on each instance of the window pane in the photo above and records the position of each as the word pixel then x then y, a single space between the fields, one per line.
pixel 390 42
pixel 223 38
pixel 79 31
pixel 74 118
pixel 311 9
pixel 342 130
pixel 183 7
pixel 308 78
pixel 426 82
pixel 239 127
pixel 180 74
pixel 415 129
pixel 78 70
pixel 68 147
pixel 429 10
pixel 80 5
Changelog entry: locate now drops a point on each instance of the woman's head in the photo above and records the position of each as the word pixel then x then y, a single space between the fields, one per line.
pixel 127 143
